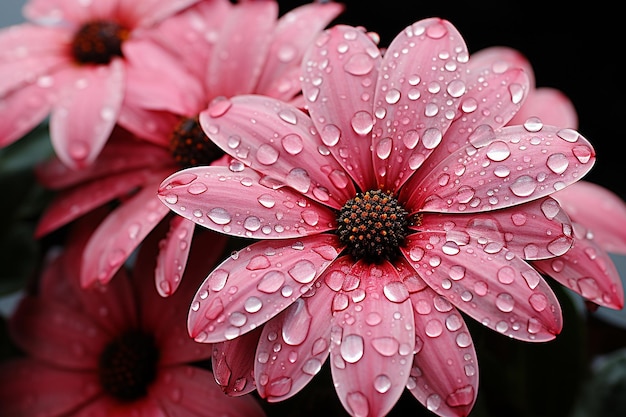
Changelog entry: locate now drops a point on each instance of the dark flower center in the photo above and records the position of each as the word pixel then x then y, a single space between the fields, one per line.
pixel 98 42
pixel 373 226
pixel 190 146
pixel 128 365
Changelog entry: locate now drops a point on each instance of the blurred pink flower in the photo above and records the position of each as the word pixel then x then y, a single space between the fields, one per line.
pixel 78 62
pixel 116 350
pixel 400 199
pixel 131 170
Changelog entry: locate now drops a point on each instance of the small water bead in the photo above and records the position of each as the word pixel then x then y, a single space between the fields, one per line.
pixel 359 64
pixel 362 122
pixel 352 348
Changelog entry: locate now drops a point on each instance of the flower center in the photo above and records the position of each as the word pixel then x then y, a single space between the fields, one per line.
pixel 128 365
pixel 373 225
pixel 189 145
pixel 98 42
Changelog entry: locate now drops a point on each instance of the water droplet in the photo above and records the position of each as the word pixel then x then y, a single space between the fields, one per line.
pixel 382 383
pixel 267 154
pixel 498 151
pixel 219 216
pixel 271 282
pixel 524 186
pixel 219 107
pixel 352 348
pixel 358 404
pixel 330 135
pixel 359 64
pixel 505 302
pixel 362 122
pixel 386 346
pixel 292 144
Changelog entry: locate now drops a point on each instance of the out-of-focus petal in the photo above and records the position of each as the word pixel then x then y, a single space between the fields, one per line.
pixel 238 59
pixel 147 66
pixel 500 59
pixel 347 123
pixel 436 51
pixel 233 363
pixel 238 204
pixel 605 218
pixel 151 125
pixel 537 230
pixel 444 376
pixel 119 234
pixel 497 289
pixel 588 270
pixel 191 391
pixel 552 106
pixel 86 110
pixel 372 339
pixel 256 283
pixel 30 53
pixel 503 168
pixel 57 334
pixel 148 12
pixel 32 388
pixel 72 203
pixel 303 333
pixel 107 406
pixel 66 11
pixel 281 143
pixel 294 32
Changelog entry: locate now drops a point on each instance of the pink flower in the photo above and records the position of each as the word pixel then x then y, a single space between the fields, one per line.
pixel 117 350
pixel 79 63
pixel 131 171
pixel 398 201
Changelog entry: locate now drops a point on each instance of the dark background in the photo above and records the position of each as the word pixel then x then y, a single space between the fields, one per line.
pixel 572 48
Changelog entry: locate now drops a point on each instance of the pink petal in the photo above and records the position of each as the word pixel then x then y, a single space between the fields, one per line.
pixel 493 97
pixel 233 363
pixel 117 236
pixel 147 65
pixel 551 106
pixel 587 270
pixel 240 204
pixel 499 290
pixel 64 11
pixel 57 391
pixel 192 391
pixel 281 144
pixel 58 334
pixel 108 406
pixel 500 59
pixel 372 339
pixel 148 12
pixel 444 376
pixel 601 217
pixel 502 168
pixel 536 230
pixel 121 153
pixel 150 125
pixel 418 91
pixel 257 283
pixel 238 59
pixel 302 331
pixel 86 111
pixel 173 256
pixel 294 32
pixel 347 122
pixel 30 54
pixel 72 203
pixel 22 110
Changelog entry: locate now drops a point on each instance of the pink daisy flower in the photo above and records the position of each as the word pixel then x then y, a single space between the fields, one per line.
pixel 130 170
pixel 78 62
pixel 110 350
pixel 399 201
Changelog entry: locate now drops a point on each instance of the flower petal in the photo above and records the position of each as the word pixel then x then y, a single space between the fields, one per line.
pixel 601 217
pixel 57 391
pixel 72 203
pixel 503 168
pixel 294 345
pixel 444 376
pixel 279 141
pixel 148 12
pixel 119 234
pixel 587 270
pixel 57 334
pixel 421 81
pixel 192 391
pixel 499 290
pixel 552 106
pixel 372 340
pixel 237 59
pixel 536 230
pixel 239 204
pixel 233 363
pixel 345 124
pixel 65 11
pixel 294 31
pixel 256 283
pixel 86 111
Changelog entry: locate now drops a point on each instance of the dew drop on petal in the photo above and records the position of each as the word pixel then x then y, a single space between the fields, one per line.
pixel 382 383
pixel 359 64
pixel 358 404
pixel 352 348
